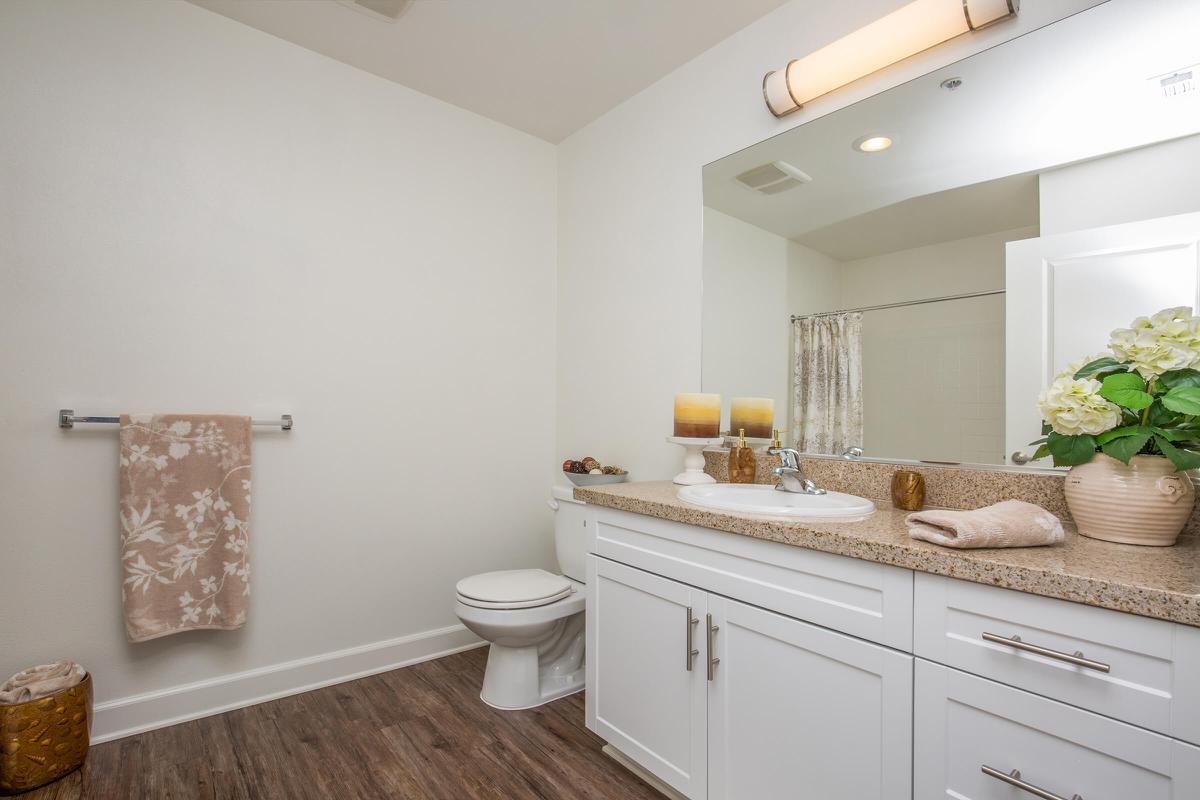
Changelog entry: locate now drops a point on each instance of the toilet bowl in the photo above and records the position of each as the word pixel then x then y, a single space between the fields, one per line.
pixel 533 619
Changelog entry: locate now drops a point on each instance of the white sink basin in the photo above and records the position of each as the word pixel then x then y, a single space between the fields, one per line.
pixel 758 499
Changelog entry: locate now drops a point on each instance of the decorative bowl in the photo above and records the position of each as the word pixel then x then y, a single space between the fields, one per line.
pixel 595 480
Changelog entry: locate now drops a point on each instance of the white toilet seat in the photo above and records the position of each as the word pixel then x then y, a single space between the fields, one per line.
pixel 513 589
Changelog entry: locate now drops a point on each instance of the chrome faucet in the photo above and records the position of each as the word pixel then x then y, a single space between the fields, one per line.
pixel 791 476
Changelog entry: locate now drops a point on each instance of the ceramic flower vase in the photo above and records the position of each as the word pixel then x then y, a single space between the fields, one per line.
pixel 1145 502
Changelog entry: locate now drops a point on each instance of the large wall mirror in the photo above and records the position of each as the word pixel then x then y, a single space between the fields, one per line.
pixel 905 275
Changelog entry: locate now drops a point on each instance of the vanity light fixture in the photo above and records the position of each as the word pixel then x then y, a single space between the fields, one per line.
pixel 906 31
pixel 872 144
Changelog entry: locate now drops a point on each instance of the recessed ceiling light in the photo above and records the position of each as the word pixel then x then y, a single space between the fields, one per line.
pixel 872 144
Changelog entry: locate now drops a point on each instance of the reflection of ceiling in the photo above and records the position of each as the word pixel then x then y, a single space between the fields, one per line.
pixel 1000 205
pixel 547 67
pixel 1071 91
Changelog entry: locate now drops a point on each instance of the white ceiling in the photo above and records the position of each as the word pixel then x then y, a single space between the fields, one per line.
pixel 547 67
pixel 1004 204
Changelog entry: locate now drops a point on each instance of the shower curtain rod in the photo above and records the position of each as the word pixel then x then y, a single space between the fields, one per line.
pixel 899 305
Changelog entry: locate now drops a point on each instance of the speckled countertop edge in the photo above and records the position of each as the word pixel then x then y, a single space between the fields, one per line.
pixel 1158 582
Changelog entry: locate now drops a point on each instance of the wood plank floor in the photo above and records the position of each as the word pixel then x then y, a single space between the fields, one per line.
pixel 417 732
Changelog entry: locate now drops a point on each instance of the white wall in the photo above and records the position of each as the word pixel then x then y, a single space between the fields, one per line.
pixel 630 219
pixel 1156 181
pixel 198 216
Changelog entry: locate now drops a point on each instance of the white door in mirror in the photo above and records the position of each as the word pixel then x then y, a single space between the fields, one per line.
pixel 1067 292
pixel 758 499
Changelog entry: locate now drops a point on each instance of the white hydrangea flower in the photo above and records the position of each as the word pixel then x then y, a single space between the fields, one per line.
pixel 1153 345
pixel 1075 407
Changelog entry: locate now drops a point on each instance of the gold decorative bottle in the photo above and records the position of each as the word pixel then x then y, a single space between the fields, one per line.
pixel 742 464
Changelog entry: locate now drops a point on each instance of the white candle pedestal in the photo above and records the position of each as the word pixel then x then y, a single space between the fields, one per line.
pixel 693 462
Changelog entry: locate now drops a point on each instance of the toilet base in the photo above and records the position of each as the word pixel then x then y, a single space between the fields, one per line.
pixel 526 677
pixel 548 695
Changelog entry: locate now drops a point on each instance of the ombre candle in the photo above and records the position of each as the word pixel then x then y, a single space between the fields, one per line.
pixel 698 416
pixel 755 414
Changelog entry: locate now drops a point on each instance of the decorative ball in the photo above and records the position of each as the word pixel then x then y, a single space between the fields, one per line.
pixel 567 465
pixel 591 463
pixel 577 468
pixel 595 472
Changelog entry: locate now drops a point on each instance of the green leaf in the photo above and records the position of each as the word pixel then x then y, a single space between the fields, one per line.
pixel 1180 377
pixel 1126 447
pixel 1159 415
pixel 1046 428
pixel 1126 389
pixel 1041 452
pixel 1183 400
pixel 1173 434
pixel 1100 365
pixel 1182 459
pixel 1119 433
pixel 1071 450
pixel 1178 433
pixel 1042 440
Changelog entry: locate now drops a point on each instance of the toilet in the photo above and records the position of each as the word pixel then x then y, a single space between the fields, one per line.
pixel 533 619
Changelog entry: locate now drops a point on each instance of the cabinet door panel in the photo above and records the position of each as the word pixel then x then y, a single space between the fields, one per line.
pixel 641 696
pixel 798 711
pixel 964 722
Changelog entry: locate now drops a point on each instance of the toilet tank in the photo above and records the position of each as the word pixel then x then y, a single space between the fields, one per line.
pixel 570 540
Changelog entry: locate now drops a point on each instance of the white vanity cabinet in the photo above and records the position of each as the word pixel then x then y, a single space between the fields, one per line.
pixel 719 698
pixel 647 693
pixel 972 734
pixel 735 668
pixel 789 704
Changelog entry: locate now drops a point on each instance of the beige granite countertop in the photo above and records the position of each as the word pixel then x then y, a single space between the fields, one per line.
pixel 1159 582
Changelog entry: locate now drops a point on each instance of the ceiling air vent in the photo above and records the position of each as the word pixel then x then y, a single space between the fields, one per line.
pixel 384 10
pixel 773 178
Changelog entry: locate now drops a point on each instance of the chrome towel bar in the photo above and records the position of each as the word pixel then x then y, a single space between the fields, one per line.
pixel 67 419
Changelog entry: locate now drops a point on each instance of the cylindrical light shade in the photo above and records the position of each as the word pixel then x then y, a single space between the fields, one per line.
pixel 755 415
pixel 698 416
pixel 905 32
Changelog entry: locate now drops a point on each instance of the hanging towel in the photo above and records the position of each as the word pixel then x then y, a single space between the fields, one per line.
pixel 185 523
pixel 40 681
pixel 1010 523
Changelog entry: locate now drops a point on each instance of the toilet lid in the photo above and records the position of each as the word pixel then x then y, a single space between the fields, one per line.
pixel 513 588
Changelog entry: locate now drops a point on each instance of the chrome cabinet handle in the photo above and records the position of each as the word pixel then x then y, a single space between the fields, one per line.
pixel 1014 779
pixel 1075 658
pixel 712 660
pixel 692 622
pixel 1019 457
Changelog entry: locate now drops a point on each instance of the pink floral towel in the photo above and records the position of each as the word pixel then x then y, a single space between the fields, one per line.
pixel 185 523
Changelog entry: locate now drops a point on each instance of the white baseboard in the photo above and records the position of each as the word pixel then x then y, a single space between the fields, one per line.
pixel 144 712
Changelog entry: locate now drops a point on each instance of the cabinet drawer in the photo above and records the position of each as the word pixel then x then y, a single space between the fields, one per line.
pixel 1136 669
pixel 963 723
pixel 862 598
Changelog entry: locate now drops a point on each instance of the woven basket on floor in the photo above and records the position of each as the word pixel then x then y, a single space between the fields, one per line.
pixel 44 739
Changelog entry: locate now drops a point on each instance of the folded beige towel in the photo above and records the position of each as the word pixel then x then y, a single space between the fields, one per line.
pixel 1011 523
pixel 35 682
pixel 185 523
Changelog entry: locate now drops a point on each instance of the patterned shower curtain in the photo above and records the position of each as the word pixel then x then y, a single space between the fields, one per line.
pixel 827 403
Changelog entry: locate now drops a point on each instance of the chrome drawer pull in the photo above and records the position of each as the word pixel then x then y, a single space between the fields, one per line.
pixel 691 623
pixel 1014 779
pixel 712 660
pixel 1075 658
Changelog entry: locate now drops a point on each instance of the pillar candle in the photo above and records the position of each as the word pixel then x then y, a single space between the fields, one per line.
pixel 698 416
pixel 755 414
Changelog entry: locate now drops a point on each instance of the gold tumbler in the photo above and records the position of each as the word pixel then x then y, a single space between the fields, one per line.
pixel 44 739
pixel 908 490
